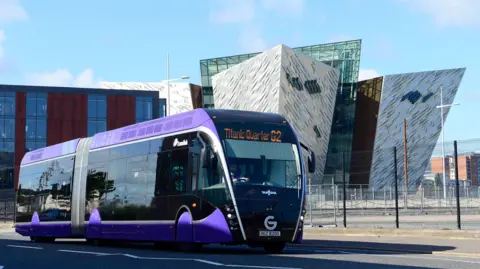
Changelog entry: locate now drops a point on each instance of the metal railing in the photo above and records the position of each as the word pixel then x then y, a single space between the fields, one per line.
pixel 7 210
pixel 412 196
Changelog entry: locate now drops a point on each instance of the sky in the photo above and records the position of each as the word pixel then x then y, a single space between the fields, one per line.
pixel 79 43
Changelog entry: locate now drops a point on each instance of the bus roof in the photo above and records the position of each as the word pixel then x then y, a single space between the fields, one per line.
pixel 242 115
pixel 50 152
pixel 175 123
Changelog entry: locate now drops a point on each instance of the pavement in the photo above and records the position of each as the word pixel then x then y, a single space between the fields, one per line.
pixel 336 252
pixel 413 245
pixel 6 227
pixel 392 232
pixel 418 221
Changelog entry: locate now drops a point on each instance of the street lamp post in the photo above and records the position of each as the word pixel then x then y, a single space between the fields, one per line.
pixel 441 106
pixel 167 81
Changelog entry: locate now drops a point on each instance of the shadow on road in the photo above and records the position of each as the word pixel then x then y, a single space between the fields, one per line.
pixel 391 247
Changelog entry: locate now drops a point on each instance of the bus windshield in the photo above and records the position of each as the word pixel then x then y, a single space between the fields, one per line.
pixel 263 163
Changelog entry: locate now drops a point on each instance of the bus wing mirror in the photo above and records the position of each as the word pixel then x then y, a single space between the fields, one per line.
pixel 311 162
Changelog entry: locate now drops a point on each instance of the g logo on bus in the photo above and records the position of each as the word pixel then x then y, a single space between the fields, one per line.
pixel 269 223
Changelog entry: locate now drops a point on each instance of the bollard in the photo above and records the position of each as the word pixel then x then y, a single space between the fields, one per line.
pixel 457 185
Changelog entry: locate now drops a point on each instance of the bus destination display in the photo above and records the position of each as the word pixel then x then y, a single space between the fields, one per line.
pixel 247 134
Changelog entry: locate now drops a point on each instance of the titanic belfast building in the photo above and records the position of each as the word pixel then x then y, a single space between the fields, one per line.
pixel 353 126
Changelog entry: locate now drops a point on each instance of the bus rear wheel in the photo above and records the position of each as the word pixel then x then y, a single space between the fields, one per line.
pixel 274 248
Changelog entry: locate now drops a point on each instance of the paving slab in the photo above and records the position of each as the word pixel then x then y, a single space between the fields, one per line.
pixel 420 245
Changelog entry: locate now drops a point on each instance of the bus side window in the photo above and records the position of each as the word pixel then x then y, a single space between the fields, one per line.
pixel 194 171
pixel 172 170
pixel 162 174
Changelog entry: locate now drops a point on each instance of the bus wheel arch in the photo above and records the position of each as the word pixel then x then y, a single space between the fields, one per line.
pixel 184 224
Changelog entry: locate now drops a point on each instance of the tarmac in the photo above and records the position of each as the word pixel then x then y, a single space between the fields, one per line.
pixel 457 243
pixel 415 241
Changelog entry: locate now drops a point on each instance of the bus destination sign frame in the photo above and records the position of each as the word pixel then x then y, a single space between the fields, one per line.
pixel 252 135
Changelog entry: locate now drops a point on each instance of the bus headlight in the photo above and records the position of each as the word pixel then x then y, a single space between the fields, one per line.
pixel 301 218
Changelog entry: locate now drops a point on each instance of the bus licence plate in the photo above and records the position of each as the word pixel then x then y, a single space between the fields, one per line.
pixel 269 233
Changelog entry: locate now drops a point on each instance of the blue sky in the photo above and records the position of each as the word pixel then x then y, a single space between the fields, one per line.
pixel 74 42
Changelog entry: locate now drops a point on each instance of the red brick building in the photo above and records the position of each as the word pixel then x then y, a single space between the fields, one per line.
pixel 32 117
pixel 468 167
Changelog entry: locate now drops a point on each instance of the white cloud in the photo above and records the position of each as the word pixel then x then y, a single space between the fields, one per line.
pixel 294 7
pixel 11 10
pixel 246 14
pixel 86 79
pixel 448 12
pixel 62 77
pixel 233 11
pixel 251 39
pixel 365 74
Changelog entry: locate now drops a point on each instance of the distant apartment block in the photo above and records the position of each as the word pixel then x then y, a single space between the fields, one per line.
pixel 468 167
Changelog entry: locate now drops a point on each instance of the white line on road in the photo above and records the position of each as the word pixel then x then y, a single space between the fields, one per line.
pixel 18 246
pixel 209 262
pixel 131 256
pixel 413 257
pixel 85 252
pixel 173 259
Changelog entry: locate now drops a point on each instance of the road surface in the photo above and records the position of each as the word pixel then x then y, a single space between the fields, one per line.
pixel 18 252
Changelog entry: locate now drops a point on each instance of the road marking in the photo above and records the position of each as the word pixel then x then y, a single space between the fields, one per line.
pixel 413 257
pixel 209 262
pixel 173 259
pixel 160 258
pixel 131 256
pixel 18 246
pixel 84 252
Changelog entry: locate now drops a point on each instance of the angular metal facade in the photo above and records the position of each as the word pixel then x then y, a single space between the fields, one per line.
pixel 282 81
pixel 185 96
pixel 413 97
pixel 343 56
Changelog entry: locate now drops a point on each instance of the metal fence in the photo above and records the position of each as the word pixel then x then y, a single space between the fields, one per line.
pixel 7 210
pixel 365 207
pixel 401 182
pixel 420 198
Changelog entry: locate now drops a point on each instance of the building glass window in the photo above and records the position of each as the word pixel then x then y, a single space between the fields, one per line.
pixel 143 108
pixel 344 56
pixel 162 108
pixel 7 139
pixel 36 121
pixel 97 114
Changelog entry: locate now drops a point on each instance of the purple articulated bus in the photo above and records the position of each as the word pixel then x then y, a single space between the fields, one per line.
pixel 195 178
